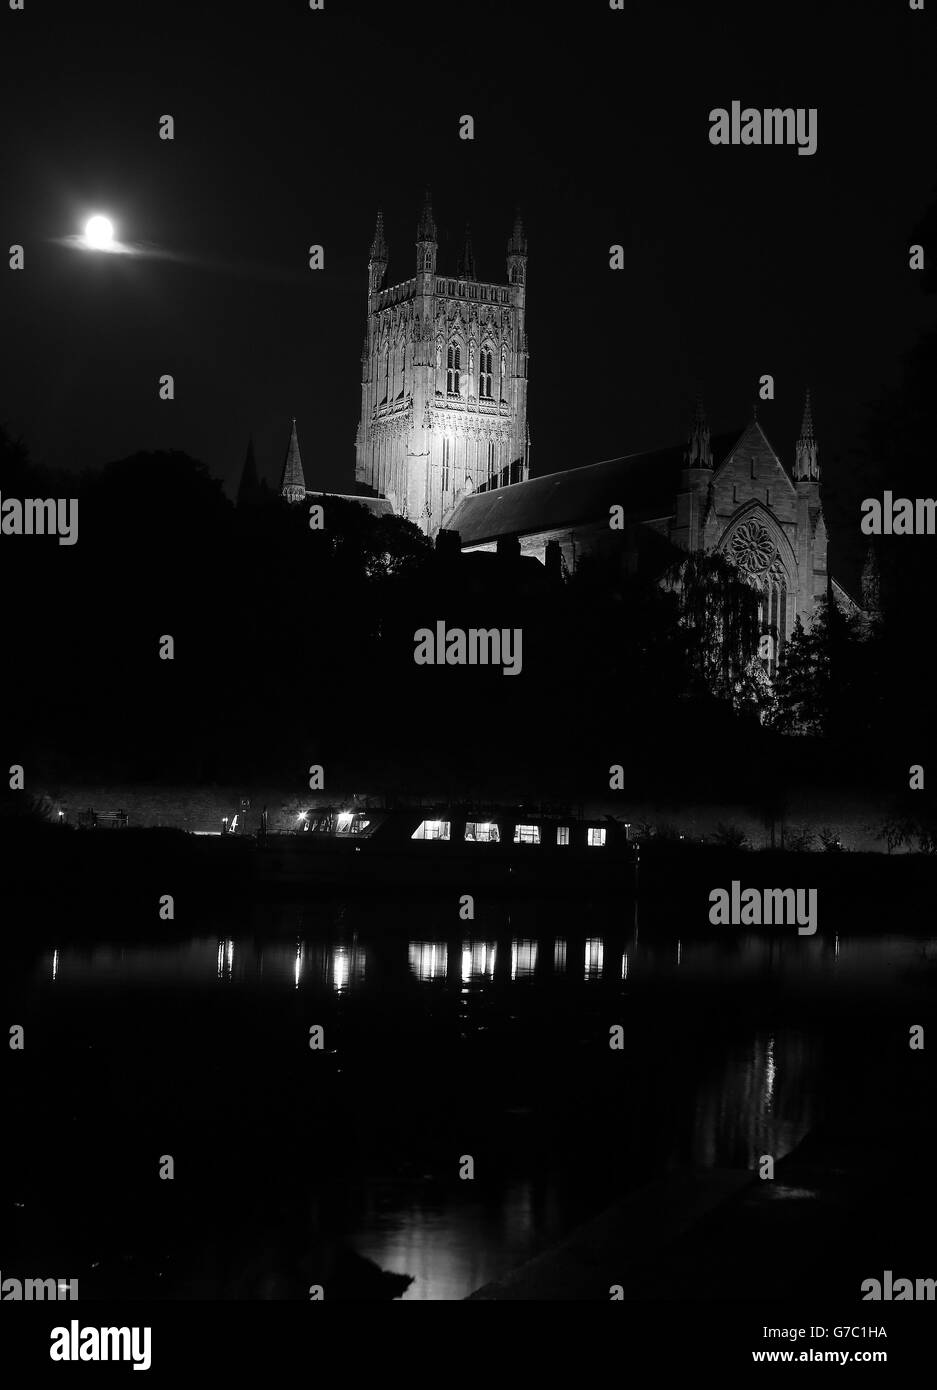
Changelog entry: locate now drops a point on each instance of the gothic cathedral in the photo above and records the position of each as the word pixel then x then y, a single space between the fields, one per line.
pixel 443 380
pixel 443 440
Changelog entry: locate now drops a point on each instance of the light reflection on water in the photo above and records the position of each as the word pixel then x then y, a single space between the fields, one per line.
pixel 453 1250
pixel 312 964
pixel 429 959
pixel 726 1093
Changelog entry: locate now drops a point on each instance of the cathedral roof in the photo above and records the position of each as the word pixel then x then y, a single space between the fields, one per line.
pixel 645 485
pixel 377 506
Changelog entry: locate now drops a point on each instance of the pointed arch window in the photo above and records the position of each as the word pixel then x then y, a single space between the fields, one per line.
pixel 385 370
pixel 400 365
pixel 453 368
pixel 484 374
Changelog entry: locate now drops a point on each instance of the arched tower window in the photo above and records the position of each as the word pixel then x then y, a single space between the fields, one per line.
pixel 400 365
pixel 445 464
pixel 453 369
pixel 484 374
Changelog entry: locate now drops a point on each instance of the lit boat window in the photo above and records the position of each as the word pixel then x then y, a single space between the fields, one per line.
pixel 431 830
pixel 527 834
pixel 484 832
pixel 596 837
pixel 562 834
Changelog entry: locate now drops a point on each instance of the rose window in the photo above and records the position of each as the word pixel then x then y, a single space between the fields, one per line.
pixel 751 548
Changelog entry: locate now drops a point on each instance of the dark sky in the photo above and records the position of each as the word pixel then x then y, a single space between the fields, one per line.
pixel 292 125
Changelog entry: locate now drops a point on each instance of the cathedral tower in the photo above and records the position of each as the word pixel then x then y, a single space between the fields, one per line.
pixel 443 379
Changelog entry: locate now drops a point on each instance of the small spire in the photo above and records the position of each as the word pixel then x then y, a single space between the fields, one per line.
pixel 698 452
pixel 426 231
pixel 871 585
pixel 467 259
pixel 293 483
pixel 806 428
pixel 806 459
pixel 517 246
pixel 249 486
pixel 379 245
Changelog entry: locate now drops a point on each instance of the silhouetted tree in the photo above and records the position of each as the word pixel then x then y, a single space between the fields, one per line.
pixel 719 616
pixel 802 687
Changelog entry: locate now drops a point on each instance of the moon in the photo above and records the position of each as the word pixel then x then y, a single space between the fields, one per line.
pixel 99 233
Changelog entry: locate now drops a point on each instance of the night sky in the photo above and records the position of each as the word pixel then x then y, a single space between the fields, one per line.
pixel 292 126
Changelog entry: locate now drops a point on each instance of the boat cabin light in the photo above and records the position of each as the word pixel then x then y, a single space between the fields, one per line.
pixel 482 832
pixel 431 830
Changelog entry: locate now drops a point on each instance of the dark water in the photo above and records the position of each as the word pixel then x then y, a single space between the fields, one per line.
pixel 489 1039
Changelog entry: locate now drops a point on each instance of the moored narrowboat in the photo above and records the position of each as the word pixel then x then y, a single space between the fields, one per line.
pixel 464 846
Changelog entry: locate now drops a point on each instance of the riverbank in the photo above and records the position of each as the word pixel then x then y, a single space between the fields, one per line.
pixel 668 887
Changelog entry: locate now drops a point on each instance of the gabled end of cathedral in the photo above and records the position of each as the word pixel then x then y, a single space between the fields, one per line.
pixel 293 482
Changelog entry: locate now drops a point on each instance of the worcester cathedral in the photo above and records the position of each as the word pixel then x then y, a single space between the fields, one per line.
pixel 443 440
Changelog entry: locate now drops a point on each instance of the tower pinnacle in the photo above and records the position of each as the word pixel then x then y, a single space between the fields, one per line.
pixel 806 462
pixel 379 245
pixel 517 251
pixel 517 244
pixel 377 257
pixel 426 238
pixel 698 452
pixel 467 259
pixel 426 231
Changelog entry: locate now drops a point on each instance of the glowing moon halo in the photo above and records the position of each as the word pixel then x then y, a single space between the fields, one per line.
pixel 99 233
